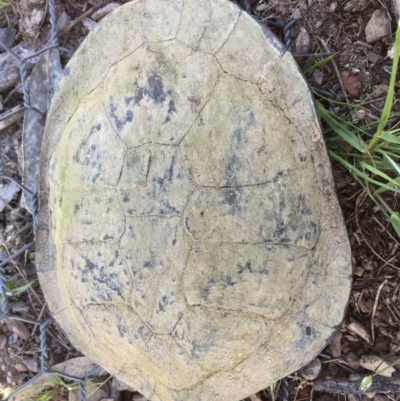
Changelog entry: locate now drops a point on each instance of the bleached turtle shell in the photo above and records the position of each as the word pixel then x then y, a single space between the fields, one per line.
pixel 190 239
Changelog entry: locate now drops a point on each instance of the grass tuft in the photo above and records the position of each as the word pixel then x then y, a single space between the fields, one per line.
pixel 370 152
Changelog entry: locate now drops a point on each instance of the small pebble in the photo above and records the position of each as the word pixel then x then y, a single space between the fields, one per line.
pixel 89 24
pixel 380 90
pixel 21 367
pixel 377 27
pixel 302 42
pixel 262 7
pixel 100 14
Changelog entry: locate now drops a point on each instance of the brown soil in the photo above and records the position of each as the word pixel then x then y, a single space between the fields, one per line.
pixel 357 68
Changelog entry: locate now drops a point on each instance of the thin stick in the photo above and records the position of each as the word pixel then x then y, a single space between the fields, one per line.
pixel 335 67
pixel 374 309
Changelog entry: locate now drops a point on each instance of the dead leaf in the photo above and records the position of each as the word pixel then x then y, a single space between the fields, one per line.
pixel 345 348
pixel 377 365
pixel 377 27
pixel 358 329
pixel 350 83
pixel 7 36
pixel 318 75
pixel 255 397
pixel 78 367
pixel 9 65
pixel 32 364
pixel 312 370
pixel 18 328
pixel 8 191
pixel 366 305
pixel 381 344
pixel 358 271
pixel 335 346
pixel 21 367
pixel 10 117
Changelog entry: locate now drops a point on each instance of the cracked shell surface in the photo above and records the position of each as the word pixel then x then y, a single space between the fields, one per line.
pixel 190 239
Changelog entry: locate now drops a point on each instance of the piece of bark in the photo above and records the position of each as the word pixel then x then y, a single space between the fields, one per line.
pixel 11 116
pixel 335 345
pixel 43 82
pixel 345 386
pixel 9 65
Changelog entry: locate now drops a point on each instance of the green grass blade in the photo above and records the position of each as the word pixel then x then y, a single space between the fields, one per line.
pixel 340 129
pixel 390 95
pixel 393 187
pixel 391 151
pixel 388 137
pixel 19 290
pixel 360 174
pixel 395 220
pixel 312 66
pixel 394 165
pixel 377 172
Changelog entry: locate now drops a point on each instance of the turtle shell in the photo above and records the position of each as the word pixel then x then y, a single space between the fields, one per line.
pixel 190 239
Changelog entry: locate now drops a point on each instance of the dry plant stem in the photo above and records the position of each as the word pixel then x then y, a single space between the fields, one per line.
pixel 15 114
pixel 391 310
pixel 386 231
pixel 335 67
pixel 365 240
pixel 386 264
pixel 39 318
pixel 374 309
pixel 357 302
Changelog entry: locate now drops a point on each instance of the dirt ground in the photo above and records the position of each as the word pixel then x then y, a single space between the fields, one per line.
pixel 360 33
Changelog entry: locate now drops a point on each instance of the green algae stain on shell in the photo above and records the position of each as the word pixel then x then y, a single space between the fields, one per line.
pixel 190 239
